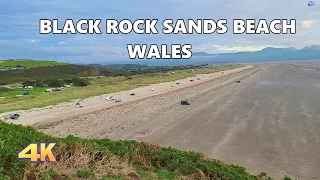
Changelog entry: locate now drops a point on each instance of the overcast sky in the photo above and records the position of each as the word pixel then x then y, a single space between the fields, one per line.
pixel 20 38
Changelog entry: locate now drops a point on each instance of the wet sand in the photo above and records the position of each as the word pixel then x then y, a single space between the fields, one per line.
pixel 269 122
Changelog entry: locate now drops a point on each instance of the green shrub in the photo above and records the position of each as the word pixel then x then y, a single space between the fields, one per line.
pixel 35 83
pixel 4 177
pixel 165 174
pixel 68 81
pixel 4 89
pixel 286 178
pixel 112 177
pixel 85 174
pixel 56 82
pixel 80 82
pixel 48 175
pixel 53 83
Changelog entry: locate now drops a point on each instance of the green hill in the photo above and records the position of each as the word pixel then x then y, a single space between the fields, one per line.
pixel 47 72
pixel 79 158
pixel 29 63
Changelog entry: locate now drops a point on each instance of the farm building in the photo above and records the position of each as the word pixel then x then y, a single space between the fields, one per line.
pixel 51 90
pixel 28 87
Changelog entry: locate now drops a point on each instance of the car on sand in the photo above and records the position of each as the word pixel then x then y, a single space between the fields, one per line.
pixel 78 105
pixel 185 102
pixel 15 116
pixel 111 98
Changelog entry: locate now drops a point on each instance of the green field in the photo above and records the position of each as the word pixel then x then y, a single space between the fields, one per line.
pixel 29 63
pixel 100 85
pixel 49 72
pixel 20 91
pixel 105 159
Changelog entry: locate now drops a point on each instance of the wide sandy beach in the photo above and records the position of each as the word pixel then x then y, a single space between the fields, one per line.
pixel 269 122
pixel 99 103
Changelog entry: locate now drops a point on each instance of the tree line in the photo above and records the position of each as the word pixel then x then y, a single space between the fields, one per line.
pixel 56 82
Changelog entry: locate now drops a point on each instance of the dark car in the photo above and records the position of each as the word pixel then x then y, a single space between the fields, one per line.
pixel 15 116
pixel 185 102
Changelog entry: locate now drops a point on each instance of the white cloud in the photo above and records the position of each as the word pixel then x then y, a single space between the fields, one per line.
pixel 244 41
pixel 34 40
pixel 307 24
pixel 241 48
pixel 300 43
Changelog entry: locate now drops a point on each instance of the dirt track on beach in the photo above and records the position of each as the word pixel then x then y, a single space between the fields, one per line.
pixel 269 122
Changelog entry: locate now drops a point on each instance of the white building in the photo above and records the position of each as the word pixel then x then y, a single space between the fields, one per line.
pixel 28 87
pixel 51 90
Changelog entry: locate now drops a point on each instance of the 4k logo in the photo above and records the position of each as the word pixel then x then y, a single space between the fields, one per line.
pixel 36 152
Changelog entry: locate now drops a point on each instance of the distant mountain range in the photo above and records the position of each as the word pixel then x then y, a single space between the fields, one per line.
pixel 266 54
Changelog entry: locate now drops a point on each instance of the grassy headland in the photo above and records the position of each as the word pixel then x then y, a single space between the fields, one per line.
pixel 105 159
pixel 29 63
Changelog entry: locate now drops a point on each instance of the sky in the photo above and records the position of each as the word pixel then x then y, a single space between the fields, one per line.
pixel 20 37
